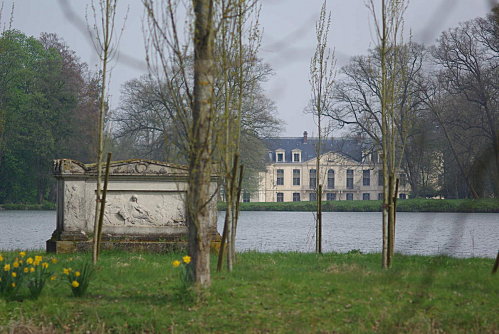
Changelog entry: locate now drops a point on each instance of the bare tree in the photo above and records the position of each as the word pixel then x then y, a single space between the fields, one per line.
pixel 237 45
pixel 468 61
pixel 321 80
pixel 389 28
pixel 106 44
pixel 195 108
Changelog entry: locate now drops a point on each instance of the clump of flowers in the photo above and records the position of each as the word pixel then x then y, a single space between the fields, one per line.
pixel 23 271
pixel 183 272
pixel 79 279
pixel 185 260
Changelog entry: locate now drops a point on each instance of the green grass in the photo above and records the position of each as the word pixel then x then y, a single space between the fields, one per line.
pixel 270 293
pixel 409 205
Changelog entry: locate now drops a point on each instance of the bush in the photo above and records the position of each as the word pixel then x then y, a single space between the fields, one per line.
pixel 409 205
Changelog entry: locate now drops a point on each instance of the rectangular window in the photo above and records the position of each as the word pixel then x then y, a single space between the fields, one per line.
pixel 380 196
pixel 312 197
pixel 296 157
pixel 366 196
pixel 380 178
pixel 280 177
pixel 280 197
pixel 366 178
pixel 296 177
pixel 349 197
pixel 296 197
pixel 331 196
pixel 402 196
pixel 349 179
pixel 246 197
pixel 330 179
pixel 313 179
pixel 403 180
pixel 280 157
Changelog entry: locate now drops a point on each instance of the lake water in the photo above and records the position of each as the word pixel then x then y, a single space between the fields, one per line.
pixel 455 234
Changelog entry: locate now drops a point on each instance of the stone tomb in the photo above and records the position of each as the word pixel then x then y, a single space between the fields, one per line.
pixel 144 207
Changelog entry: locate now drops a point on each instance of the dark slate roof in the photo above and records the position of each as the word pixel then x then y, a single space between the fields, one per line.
pixel 350 148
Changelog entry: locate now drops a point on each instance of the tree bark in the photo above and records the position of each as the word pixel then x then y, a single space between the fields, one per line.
pixel 98 234
pixel 496 264
pixel 198 194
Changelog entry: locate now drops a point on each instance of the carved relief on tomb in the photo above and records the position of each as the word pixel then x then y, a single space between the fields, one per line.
pixel 72 204
pixel 149 209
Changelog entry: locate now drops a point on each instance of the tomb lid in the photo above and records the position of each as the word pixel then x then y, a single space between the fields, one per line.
pixel 122 167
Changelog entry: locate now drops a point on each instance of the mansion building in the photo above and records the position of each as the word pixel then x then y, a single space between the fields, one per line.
pixel 348 171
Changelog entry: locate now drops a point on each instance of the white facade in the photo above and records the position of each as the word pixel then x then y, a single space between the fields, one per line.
pixel 287 178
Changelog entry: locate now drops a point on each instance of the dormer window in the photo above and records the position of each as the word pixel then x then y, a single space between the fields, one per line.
pixel 296 155
pixel 279 156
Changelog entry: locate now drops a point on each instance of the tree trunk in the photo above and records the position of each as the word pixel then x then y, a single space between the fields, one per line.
pixel 102 109
pixel 98 233
pixel 496 264
pixel 392 218
pixel 198 194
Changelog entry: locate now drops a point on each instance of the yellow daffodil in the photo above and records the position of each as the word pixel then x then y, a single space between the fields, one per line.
pixel 31 270
pixel 186 259
pixel 22 254
pixel 15 264
pixel 176 263
pixel 26 269
pixel 45 265
pixel 14 274
pixel 13 285
pixel 6 267
pixel 29 260
pixel 66 271
pixel 53 277
pixel 77 273
pixel 54 261
pixel 1 258
pixel 75 284
pixel 38 258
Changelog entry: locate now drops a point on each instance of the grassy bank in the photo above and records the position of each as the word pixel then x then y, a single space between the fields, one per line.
pixel 20 206
pixel 270 293
pixel 409 205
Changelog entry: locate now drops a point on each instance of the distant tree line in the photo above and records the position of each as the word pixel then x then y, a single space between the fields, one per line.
pixel 48 110
pixel 446 109
pixel 49 102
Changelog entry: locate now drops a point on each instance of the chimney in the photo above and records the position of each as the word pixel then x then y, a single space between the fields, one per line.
pixel 305 134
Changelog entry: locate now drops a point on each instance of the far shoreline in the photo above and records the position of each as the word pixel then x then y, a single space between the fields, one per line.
pixel 408 205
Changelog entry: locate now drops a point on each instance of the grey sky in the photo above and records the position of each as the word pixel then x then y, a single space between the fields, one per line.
pixel 288 42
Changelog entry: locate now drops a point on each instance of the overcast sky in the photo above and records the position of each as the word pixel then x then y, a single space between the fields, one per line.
pixel 288 42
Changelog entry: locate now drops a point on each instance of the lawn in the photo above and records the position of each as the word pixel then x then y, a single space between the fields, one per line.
pixel 268 293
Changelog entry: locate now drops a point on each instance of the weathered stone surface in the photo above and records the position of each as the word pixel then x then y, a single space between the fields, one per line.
pixel 145 204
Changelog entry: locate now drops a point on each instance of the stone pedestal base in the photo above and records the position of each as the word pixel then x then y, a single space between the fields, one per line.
pixel 61 243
